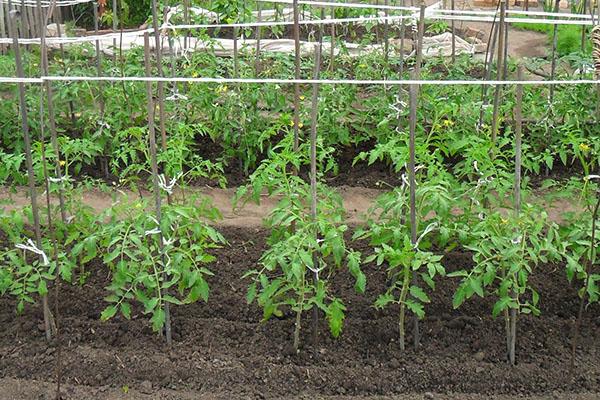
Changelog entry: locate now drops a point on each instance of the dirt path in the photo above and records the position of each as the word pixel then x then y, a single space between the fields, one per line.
pixel 357 202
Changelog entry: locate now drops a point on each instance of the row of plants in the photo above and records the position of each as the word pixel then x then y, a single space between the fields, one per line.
pixel 155 263
pixel 558 134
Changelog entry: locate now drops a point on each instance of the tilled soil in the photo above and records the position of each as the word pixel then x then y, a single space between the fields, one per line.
pixel 222 350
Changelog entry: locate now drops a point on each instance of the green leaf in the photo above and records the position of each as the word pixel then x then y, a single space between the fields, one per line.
pixel 108 313
pixel 158 319
pixel 383 300
pixel 251 293
pixel 42 288
pixel 419 294
pixel 416 308
pixel 476 286
pixel 500 306
pixel 126 310
pixel 335 316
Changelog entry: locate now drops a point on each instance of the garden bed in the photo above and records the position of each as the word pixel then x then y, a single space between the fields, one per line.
pixel 222 350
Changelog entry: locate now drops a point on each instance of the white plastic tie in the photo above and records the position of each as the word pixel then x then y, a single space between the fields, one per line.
pixel 30 246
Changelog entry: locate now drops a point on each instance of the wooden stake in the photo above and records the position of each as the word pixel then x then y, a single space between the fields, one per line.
pixel 258 37
pixel 115 24
pixel 161 73
pixel 12 26
pixel 296 75
pixel 499 71
pixel 413 111
pixel 414 90
pixel 154 167
pixel 386 39
pixel 489 57
pixel 99 64
pixel 332 47
pixel 453 34
pixel 313 178
pixel 554 44
pixel 512 338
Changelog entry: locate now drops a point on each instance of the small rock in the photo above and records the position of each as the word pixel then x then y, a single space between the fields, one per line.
pixel 395 363
pixel 428 396
pixel 146 387
pixel 479 370
pixel 479 356
pixel 456 323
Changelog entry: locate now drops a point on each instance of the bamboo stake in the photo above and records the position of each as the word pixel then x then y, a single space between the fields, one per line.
pixel 115 24
pixel 99 64
pixel 386 39
pixel 420 33
pixel 402 33
pixel 161 86
pixel 332 47
pixel 583 29
pixel 313 180
pixel 258 36
pixel 51 116
pixel 499 71
pixel 452 25
pixel 518 139
pixel 489 57
pixel 2 28
pixel 12 25
pixel 416 75
pixel 43 22
pixel 186 19
pixel 59 20
pixel 154 166
pixel 412 183
pixel 554 44
pixel 296 75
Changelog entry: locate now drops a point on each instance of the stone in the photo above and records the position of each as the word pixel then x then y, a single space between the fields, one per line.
pixel 146 387
pixel 408 44
pixel 479 356
pixel 474 33
pixel 428 396
pixel 52 30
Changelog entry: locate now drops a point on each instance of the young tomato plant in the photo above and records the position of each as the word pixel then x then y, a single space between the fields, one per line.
pixel 300 247
pixel 581 245
pixel 505 249
pixel 152 274
pixel 390 236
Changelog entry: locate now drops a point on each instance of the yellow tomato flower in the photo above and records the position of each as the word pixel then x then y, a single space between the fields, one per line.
pixel 584 147
pixel 62 163
pixel 448 123
pixel 302 97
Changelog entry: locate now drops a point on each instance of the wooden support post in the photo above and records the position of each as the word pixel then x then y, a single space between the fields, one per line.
pixel 512 338
pixel 414 92
pixel 99 64
pixel 313 179
pixel 499 70
pixel 12 26
pixel 161 74
pixel 151 109
pixel 296 75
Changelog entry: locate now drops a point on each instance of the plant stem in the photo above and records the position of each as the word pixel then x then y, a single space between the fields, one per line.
pixel 403 294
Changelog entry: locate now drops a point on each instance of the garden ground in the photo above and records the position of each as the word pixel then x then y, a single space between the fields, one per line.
pixel 222 350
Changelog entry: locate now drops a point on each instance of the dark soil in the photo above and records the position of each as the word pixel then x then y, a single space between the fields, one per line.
pixel 222 350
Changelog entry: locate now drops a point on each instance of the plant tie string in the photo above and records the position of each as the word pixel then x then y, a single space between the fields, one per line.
pixel 168 187
pixel 30 246
pixel 427 230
